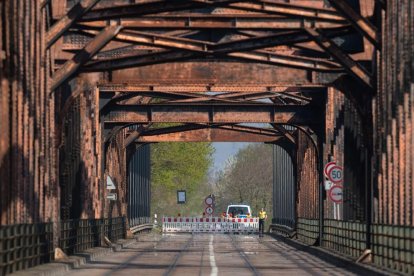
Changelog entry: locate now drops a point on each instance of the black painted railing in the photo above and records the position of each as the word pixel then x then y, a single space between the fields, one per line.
pixel 25 245
pixel 392 245
pixel 79 235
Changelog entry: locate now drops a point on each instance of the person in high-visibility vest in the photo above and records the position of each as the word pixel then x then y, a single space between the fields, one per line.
pixel 262 218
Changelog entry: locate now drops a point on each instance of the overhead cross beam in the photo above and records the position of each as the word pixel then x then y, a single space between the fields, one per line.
pixel 353 67
pixel 153 7
pixel 208 133
pixel 363 25
pixel 60 27
pixel 207 87
pixel 262 6
pixel 192 21
pixel 251 43
pixel 71 66
pixel 285 133
pixel 190 48
pixel 212 113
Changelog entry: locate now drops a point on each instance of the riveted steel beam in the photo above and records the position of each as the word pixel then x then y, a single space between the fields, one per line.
pixel 363 25
pixel 233 97
pixel 207 87
pixel 71 66
pixel 269 7
pixel 209 134
pixel 200 49
pixel 211 113
pixel 251 43
pixel 61 26
pixel 264 57
pixel 353 67
pixel 300 62
pixel 153 7
pixel 217 21
pixel 288 9
pixel 285 133
pixel 157 40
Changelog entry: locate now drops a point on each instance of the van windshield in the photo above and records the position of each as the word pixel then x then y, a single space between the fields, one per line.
pixel 238 210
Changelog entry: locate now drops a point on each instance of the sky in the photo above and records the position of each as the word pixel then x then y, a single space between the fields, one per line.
pixel 223 151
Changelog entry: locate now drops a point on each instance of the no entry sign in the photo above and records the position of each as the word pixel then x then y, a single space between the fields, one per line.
pixel 336 193
pixel 335 174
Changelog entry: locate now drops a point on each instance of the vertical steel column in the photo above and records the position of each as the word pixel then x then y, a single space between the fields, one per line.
pixel 139 186
pixel 284 186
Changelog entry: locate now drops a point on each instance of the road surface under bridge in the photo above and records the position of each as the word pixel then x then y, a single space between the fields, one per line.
pixel 209 254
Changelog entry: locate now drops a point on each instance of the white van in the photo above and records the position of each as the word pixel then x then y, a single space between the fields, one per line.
pixel 239 211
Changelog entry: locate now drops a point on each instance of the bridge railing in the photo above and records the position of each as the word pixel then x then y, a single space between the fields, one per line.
pixel 392 245
pixel 139 221
pixel 79 235
pixel 25 245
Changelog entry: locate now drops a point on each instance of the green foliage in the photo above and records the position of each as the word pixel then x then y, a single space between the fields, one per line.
pixel 248 178
pixel 179 166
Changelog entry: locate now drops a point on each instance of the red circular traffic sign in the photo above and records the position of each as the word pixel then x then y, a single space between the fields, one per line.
pixel 336 174
pixel 328 167
pixel 209 200
pixel 336 193
pixel 209 210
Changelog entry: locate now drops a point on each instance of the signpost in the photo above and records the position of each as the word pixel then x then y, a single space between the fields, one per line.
pixel 209 201
pixel 333 185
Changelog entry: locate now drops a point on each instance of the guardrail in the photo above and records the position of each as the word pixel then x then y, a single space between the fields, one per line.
pixel 139 221
pixel 25 245
pixel 392 245
pixel 82 234
pixel 213 224
pixel 307 230
pixel 141 227
pixel 282 230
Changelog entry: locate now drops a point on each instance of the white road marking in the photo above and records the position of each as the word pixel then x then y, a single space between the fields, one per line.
pixel 214 269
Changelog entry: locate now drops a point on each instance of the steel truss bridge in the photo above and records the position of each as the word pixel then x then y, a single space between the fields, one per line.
pixel 88 85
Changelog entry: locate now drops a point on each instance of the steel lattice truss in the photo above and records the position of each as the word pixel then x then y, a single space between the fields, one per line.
pixel 102 36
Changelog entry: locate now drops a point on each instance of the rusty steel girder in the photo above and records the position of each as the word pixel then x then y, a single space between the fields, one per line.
pixel 60 27
pixel 71 66
pixel 205 87
pixel 203 133
pixel 210 21
pixel 211 113
pixel 259 6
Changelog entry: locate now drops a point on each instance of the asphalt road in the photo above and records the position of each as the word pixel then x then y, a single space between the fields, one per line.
pixel 208 254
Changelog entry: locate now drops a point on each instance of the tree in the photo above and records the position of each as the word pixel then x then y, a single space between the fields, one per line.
pixel 179 166
pixel 248 179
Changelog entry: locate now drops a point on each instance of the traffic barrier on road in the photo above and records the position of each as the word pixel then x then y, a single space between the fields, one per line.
pixel 211 225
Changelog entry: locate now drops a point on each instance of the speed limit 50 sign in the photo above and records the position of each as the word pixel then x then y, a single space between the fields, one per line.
pixel 336 174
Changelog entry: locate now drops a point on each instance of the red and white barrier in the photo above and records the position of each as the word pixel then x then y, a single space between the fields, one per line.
pixel 211 224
